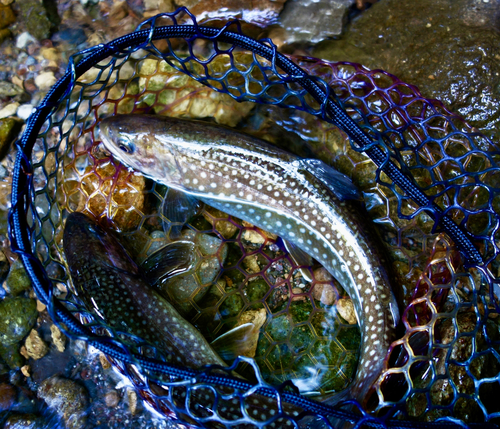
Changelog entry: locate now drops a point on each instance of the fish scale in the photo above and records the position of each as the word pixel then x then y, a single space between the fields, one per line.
pixel 276 191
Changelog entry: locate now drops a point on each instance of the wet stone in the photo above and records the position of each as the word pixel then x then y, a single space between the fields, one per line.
pixel 17 317
pixel 23 421
pixel 36 18
pixel 67 398
pixel 325 18
pixel 422 49
pixel 7 396
pixel 17 279
pixel 9 129
pixel 58 338
pixel 35 346
pixel 11 356
pixel 7 16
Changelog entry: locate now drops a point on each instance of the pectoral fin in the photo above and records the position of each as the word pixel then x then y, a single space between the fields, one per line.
pixel 178 207
pixel 300 258
pixel 235 342
pixel 171 260
pixel 337 182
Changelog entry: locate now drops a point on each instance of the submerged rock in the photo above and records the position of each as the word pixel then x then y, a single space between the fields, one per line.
pixel 67 398
pixel 17 280
pixel 9 129
pixel 17 317
pixel 40 18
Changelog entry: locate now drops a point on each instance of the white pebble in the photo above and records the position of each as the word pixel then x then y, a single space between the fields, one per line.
pixel 24 111
pixel 24 39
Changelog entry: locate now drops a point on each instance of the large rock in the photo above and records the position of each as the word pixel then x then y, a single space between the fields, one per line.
pixel 448 48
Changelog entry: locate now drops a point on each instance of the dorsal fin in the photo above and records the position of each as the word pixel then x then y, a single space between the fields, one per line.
pixel 334 180
pixel 171 260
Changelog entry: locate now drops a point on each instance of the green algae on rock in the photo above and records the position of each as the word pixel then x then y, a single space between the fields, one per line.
pixel 17 317
pixel 449 49
pixel 67 398
pixel 17 280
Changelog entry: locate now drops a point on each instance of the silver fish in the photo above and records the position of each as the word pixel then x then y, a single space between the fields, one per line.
pixel 301 200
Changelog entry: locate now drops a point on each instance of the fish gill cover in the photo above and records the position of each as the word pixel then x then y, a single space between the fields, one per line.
pixel 444 362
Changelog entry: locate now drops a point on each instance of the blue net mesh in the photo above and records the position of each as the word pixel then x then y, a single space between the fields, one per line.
pixel 444 363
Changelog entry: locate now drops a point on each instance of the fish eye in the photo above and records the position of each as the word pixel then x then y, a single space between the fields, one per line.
pixel 126 146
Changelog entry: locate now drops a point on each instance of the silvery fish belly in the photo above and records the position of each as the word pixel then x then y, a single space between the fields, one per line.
pixel 301 200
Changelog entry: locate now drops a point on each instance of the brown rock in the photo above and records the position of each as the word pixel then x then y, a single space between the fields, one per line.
pixel 7 396
pixel 104 361
pixel 7 16
pixel 345 307
pixel 26 370
pixel 58 338
pixel 132 400
pixel 324 293
pixel 35 346
pixel 67 398
pixel 225 228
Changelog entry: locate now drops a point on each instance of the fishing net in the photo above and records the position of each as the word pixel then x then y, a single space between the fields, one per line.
pixel 443 366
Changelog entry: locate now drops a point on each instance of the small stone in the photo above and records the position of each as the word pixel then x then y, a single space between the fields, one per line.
pixel 51 54
pixel 17 317
pixel 111 399
pixel 7 396
pixel 104 361
pixel 26 370
pixel 9 110
pixel 17 280
pixel 265 234
pixel 223 227
pixel 24 111
pixel 24 39
pixel 44 81
pixel 58 338
pixel 9 89
pixel 35 346
pixel 324 293
pixel 322 275
pixel 253 236
pixel 251 265
pixel 132 400
pixel 297 294
pixel 67 398
pixel 345 307
pixel 7 16
pixel 11 356
pixel 40 306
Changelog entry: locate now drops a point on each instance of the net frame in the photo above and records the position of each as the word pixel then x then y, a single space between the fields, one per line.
pixel 392 172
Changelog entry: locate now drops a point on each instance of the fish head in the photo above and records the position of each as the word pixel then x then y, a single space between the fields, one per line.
pixel 142 142
pixel 85 240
